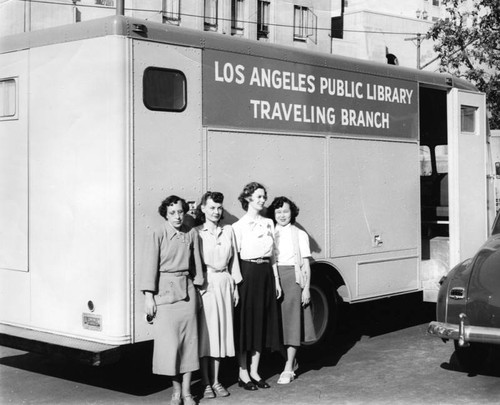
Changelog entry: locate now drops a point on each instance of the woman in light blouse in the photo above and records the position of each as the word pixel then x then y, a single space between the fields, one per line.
pixel 171 299
pixel 257 313
pixel 292 258
pixel 219 295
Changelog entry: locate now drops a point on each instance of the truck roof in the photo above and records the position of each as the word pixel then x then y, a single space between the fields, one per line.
pixel 156 32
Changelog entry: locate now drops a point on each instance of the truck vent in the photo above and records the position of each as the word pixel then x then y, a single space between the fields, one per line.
pixel 457 293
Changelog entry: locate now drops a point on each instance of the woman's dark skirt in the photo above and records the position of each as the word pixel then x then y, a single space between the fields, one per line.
pixel 257 319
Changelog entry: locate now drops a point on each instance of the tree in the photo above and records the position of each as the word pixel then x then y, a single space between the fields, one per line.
pixel 468 45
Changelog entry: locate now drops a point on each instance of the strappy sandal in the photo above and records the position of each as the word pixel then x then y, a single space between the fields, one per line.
pixel 286 377
pixel 220 390
pixel 209 392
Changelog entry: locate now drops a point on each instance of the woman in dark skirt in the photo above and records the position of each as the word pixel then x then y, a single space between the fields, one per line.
pixel 257 316
pixel 292 258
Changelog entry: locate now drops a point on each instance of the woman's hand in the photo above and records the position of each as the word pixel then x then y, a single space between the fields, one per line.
pixel 306 297
pixel 236 296
pixel 278 288
pixel 149 304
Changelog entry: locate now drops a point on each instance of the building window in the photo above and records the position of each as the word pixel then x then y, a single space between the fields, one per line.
pixel 305 24
pixel 211 15
pixel 236 16
pixel 164 89
pixel 8 97
pixel 107 3
pixel 435 2
pixel 263 18
pixel 171 11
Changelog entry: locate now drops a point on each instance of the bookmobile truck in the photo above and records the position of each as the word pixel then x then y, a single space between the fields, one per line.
pixel 101 120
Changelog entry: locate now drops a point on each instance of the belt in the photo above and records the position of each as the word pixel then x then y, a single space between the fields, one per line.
pixel 212 270
pixel 259 260
pixel 174 274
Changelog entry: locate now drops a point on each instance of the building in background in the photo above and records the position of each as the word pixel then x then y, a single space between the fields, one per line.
pixel 380 30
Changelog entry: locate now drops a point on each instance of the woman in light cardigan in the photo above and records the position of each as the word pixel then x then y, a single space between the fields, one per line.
pixel 292 257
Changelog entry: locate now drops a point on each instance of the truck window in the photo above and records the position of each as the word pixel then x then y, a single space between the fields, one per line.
pixel 164 89
pixel 468 119
pixel 7 98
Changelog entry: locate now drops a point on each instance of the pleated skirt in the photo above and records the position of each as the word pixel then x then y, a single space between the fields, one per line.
pixel 296 320
pixel 216 331
pixel 257 317
pixel 176 336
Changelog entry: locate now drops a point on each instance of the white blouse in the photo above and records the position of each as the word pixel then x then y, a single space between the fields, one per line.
pixel 284 253
pixel 254 237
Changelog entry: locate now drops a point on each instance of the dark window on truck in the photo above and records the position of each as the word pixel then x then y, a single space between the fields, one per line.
pixel 164 89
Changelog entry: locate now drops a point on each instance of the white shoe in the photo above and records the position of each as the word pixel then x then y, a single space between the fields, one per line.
pixel 286 377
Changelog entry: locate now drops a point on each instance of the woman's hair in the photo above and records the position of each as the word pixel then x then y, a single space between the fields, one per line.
pixel 278 203
pixel 247 192
pixel 216 197
pixel 171 200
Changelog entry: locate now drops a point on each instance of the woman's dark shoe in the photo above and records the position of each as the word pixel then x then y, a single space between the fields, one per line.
pixel 261 383
pixel 249 386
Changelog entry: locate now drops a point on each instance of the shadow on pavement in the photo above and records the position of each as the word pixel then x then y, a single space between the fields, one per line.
pixel 132 373
pixel 370 319
pixel 486 367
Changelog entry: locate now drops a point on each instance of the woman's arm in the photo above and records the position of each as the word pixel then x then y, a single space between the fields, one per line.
pixel 151 263
pixel 199 277
pixel 277 280
pixel 234 263
pixel 306 272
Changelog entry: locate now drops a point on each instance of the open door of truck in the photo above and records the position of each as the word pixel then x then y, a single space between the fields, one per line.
pixel 467 174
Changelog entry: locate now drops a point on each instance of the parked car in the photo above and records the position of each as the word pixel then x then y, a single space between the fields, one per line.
pixel 468 305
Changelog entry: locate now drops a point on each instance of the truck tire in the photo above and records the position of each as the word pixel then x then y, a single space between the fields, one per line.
pixel 324 308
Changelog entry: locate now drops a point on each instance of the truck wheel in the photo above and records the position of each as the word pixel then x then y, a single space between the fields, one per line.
pixel 324 308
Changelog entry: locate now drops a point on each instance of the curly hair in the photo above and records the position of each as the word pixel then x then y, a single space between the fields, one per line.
pixel 247 192
pixel 216 197
pixel 171 200
pixel 278 203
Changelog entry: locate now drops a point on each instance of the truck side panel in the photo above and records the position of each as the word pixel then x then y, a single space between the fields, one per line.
pixel 167 149
pixel 78 201
pixel 14 187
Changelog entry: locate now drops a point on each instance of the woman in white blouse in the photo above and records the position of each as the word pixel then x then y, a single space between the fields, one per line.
pixel 219 295
pixel 292 258
pixel 257 313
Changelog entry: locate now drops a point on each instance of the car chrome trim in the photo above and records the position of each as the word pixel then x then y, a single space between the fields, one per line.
pixel 457 293
pixel 481 334
pixel 461 331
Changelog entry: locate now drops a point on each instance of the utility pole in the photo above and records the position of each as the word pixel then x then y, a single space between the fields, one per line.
pixel 419 40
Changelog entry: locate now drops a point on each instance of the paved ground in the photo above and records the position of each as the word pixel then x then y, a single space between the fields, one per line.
pixel 381 355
